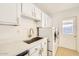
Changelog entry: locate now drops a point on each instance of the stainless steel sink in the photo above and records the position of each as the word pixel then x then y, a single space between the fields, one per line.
pixel 33 40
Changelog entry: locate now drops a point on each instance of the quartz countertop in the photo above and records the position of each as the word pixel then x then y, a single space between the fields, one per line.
pixel 16 47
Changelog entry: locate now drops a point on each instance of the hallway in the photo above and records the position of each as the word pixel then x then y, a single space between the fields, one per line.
pixel 66 52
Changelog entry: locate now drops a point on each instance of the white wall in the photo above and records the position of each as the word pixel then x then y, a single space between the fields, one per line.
pixel 58 17
pixel 13 33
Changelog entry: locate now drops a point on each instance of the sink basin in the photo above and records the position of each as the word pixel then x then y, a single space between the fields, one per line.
pixel 33 40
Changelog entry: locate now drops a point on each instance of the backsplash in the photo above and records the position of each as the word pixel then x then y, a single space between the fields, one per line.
pixel 25 26
pixel 21 32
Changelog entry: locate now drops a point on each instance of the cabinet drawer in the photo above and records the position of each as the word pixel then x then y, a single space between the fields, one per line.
pixel 35 49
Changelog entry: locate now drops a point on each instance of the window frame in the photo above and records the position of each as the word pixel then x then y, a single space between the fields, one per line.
pixel 73 23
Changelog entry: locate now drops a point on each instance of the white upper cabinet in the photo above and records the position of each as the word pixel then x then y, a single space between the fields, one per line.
pixel 8 13
pixel 46 21
pixel 31 11
pixel 42 23
pixel 38 14
pixel 44 48
pixel 27 10
pixel 43 19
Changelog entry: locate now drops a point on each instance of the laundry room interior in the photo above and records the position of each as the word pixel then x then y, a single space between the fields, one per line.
pixel 39 29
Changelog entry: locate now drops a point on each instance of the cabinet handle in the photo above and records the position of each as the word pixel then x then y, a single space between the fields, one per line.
pixel 40 52
pixel 42 49
pixel 44 42
pixel 36 49
pixel 32 13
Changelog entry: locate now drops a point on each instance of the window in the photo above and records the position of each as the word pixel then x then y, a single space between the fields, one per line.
pixel 68 26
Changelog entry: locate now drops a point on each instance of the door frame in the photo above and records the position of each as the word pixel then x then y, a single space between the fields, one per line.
pixel 75 30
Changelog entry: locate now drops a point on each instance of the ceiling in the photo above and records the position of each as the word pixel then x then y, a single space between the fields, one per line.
pixel 52 8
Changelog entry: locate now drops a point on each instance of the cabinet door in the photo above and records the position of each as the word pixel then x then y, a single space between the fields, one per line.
pixel 39 24
pixel 44 48
pixel 8 13
pixel 38 14
pixel 43 24
pixel 35 51
pixel 55 46
pixel 28 9
pixel 48 21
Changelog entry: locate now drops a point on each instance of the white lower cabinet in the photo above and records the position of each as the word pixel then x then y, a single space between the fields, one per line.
pixel 27 55
pixel 35 51
pixel 40 49
pixel 44 48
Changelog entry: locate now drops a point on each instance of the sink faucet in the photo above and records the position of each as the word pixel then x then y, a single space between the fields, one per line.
pixel 31 32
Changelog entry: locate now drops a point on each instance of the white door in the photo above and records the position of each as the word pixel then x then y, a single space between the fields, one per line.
pixel 68 33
